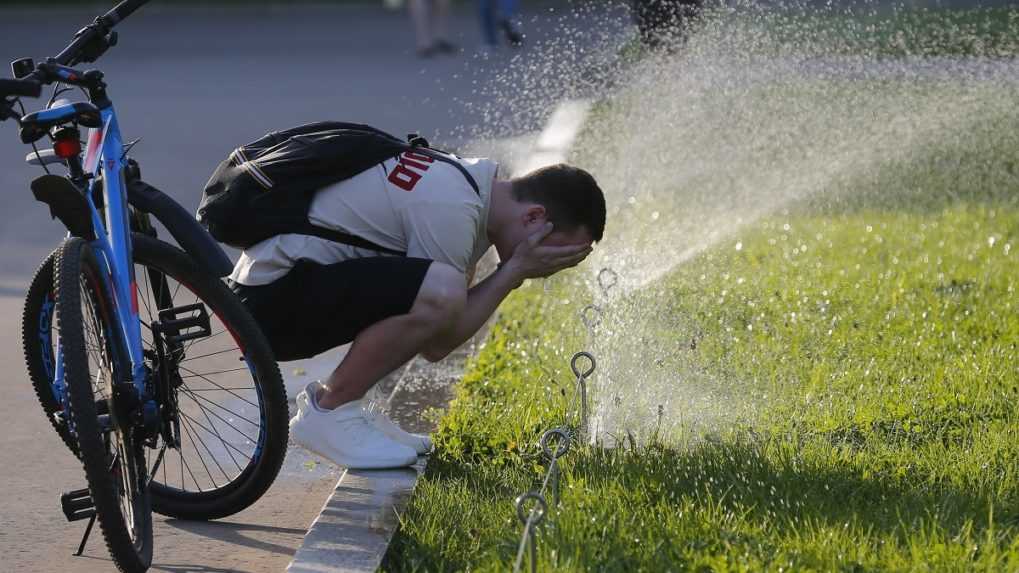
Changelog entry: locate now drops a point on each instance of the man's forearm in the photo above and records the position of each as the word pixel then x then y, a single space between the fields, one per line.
pixel 482 300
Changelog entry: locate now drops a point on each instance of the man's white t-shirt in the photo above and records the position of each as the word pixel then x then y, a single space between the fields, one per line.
pixel 410 203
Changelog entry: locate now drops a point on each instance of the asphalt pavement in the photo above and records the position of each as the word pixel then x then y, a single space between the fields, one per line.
pixel 193 83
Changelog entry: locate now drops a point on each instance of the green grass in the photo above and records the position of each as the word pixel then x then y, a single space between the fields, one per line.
pixel 905 31
pixel 865 351
pixel 876 30
pixel 887 344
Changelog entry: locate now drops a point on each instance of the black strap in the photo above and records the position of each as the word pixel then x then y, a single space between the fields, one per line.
pixel 345 238
pixel 436 155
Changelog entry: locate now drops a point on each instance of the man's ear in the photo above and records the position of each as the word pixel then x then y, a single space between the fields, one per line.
pixel 535 213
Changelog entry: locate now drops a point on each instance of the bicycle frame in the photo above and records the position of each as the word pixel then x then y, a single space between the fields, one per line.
pixel 104 155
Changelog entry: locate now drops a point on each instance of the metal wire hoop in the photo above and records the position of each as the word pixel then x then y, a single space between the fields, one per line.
pixel 562 447
pixel 591 315
pixel 575 361
pixel 539 510
pixel 607 278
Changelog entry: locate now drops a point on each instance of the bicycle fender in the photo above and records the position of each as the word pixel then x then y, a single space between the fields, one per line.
pixel 66 203
pixel 189 234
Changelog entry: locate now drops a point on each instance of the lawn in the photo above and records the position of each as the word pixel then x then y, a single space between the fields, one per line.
pixel 881 349
pixel 836 375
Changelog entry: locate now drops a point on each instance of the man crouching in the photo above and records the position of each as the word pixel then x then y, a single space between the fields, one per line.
pixel 310 294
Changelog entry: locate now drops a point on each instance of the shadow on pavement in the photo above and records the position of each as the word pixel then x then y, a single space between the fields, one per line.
pixel 234 533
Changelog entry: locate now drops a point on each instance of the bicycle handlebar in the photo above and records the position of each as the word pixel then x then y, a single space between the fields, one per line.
pixel 102 26
pixel 123 10
pixel 89 43
pixel 17 88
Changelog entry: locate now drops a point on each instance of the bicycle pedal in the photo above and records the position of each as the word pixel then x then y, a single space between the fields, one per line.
pixel 77 505
pixel 183 323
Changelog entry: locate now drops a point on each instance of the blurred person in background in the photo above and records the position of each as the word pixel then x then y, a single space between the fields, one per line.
pixel 431 18
pixel 496 16
pixel 666 22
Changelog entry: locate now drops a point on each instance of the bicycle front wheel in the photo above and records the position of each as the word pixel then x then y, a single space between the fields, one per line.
pixel 111 447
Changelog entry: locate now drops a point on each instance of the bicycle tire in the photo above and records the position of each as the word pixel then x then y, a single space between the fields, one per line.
pixel 116 480
pixel 37 343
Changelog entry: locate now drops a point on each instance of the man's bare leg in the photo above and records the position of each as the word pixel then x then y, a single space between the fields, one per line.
pixel 386 345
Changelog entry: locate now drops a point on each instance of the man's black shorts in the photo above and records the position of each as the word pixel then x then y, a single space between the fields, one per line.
pixel 317 307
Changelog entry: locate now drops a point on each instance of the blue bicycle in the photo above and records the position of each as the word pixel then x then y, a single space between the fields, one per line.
pixel 147 366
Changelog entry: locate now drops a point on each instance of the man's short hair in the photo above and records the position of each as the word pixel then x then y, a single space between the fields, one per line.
pixel 571 197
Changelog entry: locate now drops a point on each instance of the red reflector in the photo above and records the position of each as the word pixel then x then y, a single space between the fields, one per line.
pixel 67 148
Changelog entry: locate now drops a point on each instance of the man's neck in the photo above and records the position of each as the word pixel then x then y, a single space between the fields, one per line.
pixel 499 209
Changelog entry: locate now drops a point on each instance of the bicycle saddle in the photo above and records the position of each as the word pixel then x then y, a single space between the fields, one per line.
pixel 35 125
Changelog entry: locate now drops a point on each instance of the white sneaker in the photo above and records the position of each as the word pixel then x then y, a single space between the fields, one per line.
pixel 376 416
pixel 345 436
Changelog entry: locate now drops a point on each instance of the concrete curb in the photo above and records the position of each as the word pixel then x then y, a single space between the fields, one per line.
pixel 353 530
pixel 357 522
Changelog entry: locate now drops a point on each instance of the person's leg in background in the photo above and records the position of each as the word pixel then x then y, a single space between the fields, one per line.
pixel 420 15
pixel 440 27
pixel 507 12
pixel 487 16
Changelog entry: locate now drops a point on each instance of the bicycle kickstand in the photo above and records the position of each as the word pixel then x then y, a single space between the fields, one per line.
pixel 84 538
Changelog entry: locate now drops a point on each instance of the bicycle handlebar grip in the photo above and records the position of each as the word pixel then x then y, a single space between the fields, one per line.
pixel 123 10
pixel 26 88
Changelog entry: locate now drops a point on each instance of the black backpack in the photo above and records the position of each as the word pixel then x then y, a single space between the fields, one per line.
pixel 265 188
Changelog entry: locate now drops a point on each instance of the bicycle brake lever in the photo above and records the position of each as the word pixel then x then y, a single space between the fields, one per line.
pixel 7 112
pixel 98 46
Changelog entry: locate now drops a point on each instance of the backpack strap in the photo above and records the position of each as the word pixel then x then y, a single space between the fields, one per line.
pixel 419 144
pixel 344 238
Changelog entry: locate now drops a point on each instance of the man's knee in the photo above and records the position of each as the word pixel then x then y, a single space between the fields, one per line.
pixel 442 296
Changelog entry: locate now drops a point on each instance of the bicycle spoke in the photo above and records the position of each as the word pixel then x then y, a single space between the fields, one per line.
pixel 199 340
pixel 155 468
pixel 187 432
pixel 227 444
pixel 221 389
pixel 239 397
pixel 174 295
pixel 223 441
pixel 215 372
pixel 185 465
pixel 211 354
pixel 216 404
pixel 148 291
pixel 217 434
